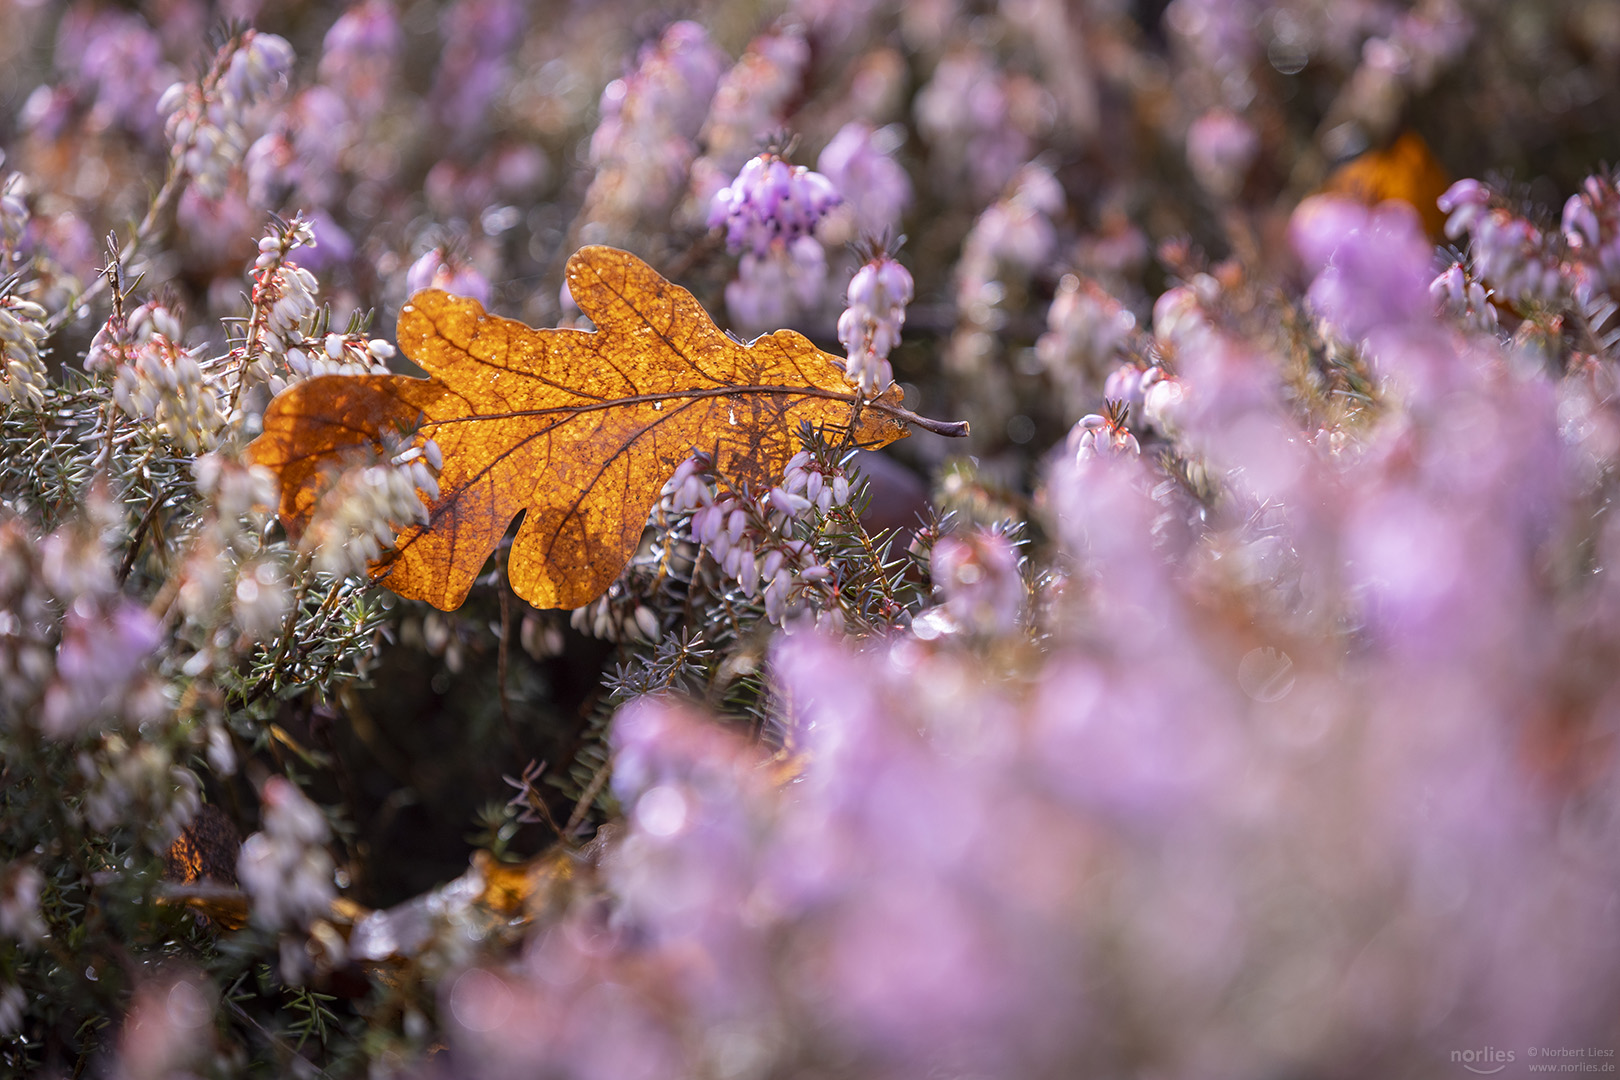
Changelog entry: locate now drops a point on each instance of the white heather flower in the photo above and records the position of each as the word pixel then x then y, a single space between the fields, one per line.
pixel 285 867
pixel 359 515
pixel 1103 434
pixel 206 122
pixel 22 372
pixel 164 384
pixel 340 354
pixel 261 599
pixel 1087 327
pixel 285 299
pixel 141 786
pixel 12 1003
pixel 20 888
pixel 233 487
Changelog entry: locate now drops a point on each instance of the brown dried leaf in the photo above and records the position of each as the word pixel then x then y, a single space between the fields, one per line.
pixel 575 430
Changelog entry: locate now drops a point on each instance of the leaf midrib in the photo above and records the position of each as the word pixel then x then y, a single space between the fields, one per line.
pixel 645 399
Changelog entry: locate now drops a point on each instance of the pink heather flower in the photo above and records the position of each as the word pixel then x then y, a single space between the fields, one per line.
pixel 750 103
pixel 360 55
pixel 771 201
pixel 772 288
pixel 1221 146
pixel 860 164
pixel 1126 384
pixel 643 145
pixel 478 37
pixel 262 62
pixel 97 663
pixel 1455 291
pixel 978 573
pixel 1591 228
pixel 168 1030
pixel 1517 258
pixel 1465 202
pixel 870 326
pixel 123 61
pixel 1086 329
pixel 965 114
pixel 298 163
pixel 438 269
pixel 1373 266
pixel 285 867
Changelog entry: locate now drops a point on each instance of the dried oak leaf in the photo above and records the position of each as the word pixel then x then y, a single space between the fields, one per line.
pixel 576 430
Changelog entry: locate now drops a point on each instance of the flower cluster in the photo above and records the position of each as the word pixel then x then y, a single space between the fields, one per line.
pixel 284 302
pixel 1518 258
pixel 755 540
pixel 1105 433
pixel 1464 297
pixel 643 145
pixel 157 379
pixel 978 120
pixel 1008 243
pixel 770 212
pixel 869 328
pixel 478 38
pixel 365 505
pixel 1591 226
pixel 360 56
pixel 220 566
pixel 66 674
pixel 1221 147
pixel 1087 330
pixel 770 204
pixel 22 379
pixel 13 220
pixel 130 781
pixel 979 575
pixel 206 121
pixel 440 269
pixel 1270 598
pixel 750 101
pixel 286 868
pixel 859 161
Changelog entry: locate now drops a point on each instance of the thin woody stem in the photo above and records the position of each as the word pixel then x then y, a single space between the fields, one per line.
pixel 951 429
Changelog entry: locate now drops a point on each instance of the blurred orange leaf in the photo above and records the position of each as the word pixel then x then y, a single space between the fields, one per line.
pixel 201 868
pixel 1406 171
pixel 575 430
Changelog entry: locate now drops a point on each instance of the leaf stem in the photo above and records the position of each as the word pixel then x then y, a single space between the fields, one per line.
pixel 951 429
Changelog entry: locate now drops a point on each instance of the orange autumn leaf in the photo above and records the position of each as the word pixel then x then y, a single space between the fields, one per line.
pixel 1406 171
pixel 575 430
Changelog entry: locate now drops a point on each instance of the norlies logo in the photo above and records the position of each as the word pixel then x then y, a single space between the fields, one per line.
pixel 1484 1061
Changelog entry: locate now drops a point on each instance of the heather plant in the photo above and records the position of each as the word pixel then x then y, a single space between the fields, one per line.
pixel 1238 699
